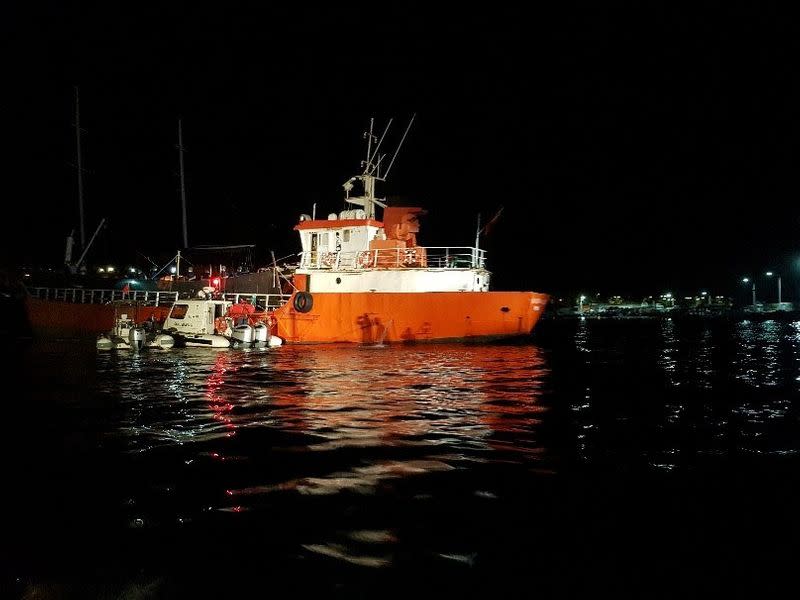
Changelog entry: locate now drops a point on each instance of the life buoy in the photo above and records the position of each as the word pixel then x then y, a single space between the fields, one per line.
pixel 303 301
pixel 364 259
pixel 328 259
pixel 220 325
pixel 410 256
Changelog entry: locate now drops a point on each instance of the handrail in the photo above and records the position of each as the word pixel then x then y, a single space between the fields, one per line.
pixel 268 301
pixel 147 297
pixel 102 296
pixel 418 257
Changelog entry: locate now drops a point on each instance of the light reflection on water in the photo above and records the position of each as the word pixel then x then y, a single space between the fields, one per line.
pixel 361 417
pixel 347 420
pixel 461 398
pixel 357 454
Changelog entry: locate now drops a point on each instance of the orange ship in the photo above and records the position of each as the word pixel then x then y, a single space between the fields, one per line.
pixel 359 280
pixel 368 281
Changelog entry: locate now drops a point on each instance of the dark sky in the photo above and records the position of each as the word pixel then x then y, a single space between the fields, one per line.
pixel 635 150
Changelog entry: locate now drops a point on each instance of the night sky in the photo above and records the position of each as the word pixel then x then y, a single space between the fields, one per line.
pixel 635 151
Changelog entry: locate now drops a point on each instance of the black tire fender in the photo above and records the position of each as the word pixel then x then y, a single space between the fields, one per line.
pixel 303 302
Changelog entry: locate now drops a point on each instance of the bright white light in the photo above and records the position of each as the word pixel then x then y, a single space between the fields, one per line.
pixel 172 269
pixel 110 269
pixel 746 280
pixel 704 293
pixel 101 270
pixel 583 298
pixel 768 273
pixel 132 270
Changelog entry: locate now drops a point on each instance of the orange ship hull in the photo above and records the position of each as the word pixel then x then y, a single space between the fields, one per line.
pixel 371 317
pixel 52 317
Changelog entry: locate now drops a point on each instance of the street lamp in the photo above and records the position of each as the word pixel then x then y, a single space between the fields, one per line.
pixel 770 274
pixel 747 280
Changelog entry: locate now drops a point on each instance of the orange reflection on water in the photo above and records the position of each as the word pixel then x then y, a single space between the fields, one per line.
pixel 439 394
pixel 221 407
pixel 408 411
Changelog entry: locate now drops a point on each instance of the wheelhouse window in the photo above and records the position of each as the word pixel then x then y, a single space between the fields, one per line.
pixel 178 311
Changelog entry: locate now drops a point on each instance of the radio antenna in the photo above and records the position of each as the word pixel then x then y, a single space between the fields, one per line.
pixel 400 145
pixel 370 161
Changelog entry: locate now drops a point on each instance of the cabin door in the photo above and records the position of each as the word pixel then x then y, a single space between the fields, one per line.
pixel 314 244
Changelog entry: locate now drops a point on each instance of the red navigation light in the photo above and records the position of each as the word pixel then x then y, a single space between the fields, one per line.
pixel 215 282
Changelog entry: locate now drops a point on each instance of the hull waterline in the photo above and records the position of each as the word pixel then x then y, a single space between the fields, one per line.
pixel 370 318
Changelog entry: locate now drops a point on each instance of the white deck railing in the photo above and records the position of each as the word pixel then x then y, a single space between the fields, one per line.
pixel 147 298
pixel 429 257
pixel 267 301
pixel 102 296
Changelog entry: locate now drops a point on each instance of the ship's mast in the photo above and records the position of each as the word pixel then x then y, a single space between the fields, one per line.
pixel 367 177
pixel 183 186
pixel 79 166
pixel 371 172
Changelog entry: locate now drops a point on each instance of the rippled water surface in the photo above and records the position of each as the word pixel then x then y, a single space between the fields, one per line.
pixel 600 456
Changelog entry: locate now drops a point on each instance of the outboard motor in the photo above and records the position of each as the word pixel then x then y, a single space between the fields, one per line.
pixel 104 343
pixel 260 334
pixel 163 341
pixel 242 334
pixel 136 338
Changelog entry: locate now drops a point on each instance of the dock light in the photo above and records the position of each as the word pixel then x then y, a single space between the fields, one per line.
pixel 704 293
pixel 101 270
pixel 110 269
pixel 770 274
pixel 172 270
pixel 748 280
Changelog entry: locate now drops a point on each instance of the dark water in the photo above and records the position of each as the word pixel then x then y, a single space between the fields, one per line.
pixel 638 458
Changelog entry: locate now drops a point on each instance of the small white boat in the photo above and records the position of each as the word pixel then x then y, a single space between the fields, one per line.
pixel 206 322
pixel 126 335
